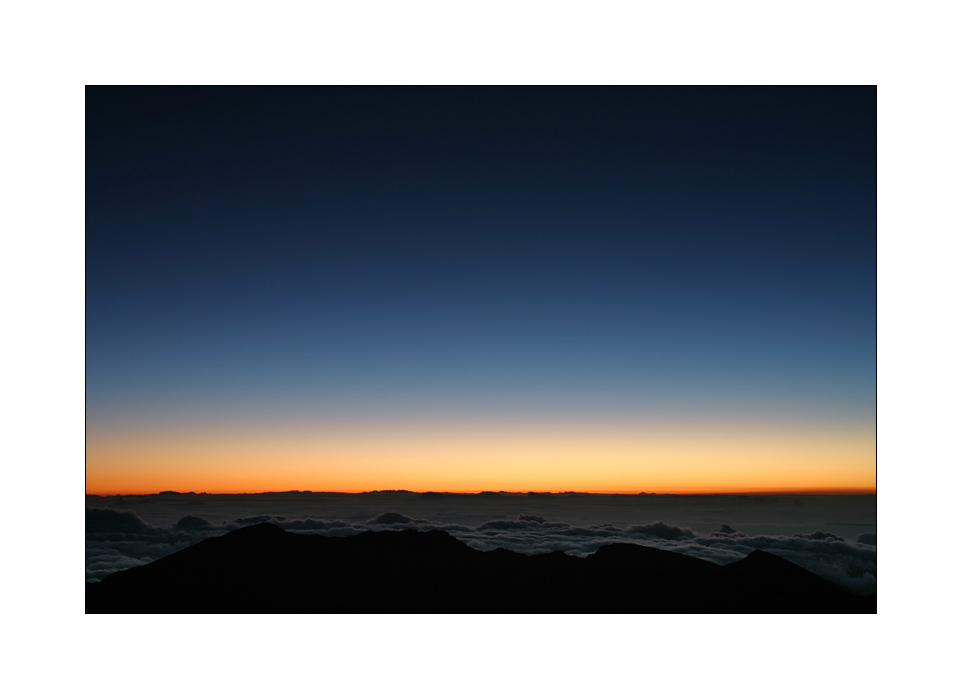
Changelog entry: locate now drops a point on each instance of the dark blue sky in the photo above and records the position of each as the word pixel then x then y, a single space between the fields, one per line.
pixel 382 253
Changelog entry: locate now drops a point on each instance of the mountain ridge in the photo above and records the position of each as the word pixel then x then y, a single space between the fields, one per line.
pixel 264 569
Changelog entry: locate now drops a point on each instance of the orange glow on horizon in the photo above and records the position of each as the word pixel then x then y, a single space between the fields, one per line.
pixel 708 491
pixel 561 460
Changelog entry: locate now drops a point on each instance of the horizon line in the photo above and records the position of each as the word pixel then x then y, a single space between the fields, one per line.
pixel 788 491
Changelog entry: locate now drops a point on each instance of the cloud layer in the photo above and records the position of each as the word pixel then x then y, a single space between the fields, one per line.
pixel 117 540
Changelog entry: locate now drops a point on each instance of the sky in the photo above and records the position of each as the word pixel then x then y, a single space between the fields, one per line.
pixel 551 289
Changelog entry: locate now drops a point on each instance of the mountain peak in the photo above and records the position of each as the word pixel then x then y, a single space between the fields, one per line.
pixel 264 569
pixel 765 559
pixel 262 530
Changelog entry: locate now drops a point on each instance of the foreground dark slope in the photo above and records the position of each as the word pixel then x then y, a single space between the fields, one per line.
pixel 263 569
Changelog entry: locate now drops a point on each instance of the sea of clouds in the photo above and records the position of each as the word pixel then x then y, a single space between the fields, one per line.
pixel 117 539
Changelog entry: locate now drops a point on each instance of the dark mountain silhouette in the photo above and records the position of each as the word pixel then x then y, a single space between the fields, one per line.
pixel 263 569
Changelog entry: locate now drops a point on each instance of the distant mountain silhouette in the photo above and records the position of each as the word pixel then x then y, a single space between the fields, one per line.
pixel 263 569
